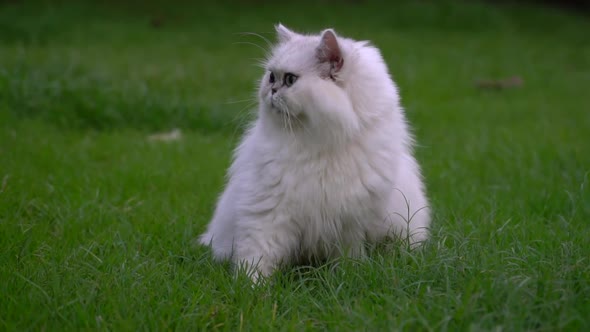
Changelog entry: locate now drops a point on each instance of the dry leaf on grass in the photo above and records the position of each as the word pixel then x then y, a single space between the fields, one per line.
pixel 173 135
pixel 505 83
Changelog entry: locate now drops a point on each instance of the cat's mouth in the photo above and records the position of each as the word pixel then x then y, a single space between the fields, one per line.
pixel 286 118
pixel 281 110
pixel 278 106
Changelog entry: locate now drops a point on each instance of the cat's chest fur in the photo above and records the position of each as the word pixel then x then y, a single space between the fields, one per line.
pixel 324 186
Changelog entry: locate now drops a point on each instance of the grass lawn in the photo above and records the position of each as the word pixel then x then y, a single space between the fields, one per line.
pixel 97 223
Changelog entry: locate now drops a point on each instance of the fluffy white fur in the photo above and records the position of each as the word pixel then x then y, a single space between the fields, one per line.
pixel 326 167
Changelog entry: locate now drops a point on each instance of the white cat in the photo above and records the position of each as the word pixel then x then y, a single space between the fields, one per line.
pixel 326 167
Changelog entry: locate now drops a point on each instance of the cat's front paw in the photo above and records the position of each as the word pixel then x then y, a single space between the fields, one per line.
pixel 258 269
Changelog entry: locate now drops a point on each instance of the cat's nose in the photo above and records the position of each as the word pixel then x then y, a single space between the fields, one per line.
pixel 273 90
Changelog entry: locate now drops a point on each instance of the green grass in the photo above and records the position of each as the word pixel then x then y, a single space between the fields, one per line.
pixel 97 224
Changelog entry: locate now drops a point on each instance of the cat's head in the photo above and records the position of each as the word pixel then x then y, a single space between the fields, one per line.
pixel 324 82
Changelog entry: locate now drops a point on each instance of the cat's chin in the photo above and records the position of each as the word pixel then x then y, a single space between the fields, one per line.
pixel 277 110
pixel 284 119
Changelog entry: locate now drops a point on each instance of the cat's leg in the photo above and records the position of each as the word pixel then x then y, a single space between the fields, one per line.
pixel 263 243
pixel 353 241
pixel 220 233
pixel 404 213
pixel 406 217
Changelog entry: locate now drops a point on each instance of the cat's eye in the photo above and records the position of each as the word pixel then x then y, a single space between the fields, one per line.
pixel 272 77
pixel 290 79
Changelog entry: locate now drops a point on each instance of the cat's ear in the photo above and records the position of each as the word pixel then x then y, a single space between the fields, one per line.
pixel 329 51
pixel 283 33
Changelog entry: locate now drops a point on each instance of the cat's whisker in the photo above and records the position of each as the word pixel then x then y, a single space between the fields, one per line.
pixel 302 125
pixel 261 65
pixel 289 122
pixel 259 62
pixel 242 118
pixel 284 118
pixel 245 109
pixel 241 101
pixel 252 44
pixel 250 103
pixel 247 106
pixel 268 42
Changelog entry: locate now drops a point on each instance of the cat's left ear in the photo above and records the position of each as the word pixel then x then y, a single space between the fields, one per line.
pixel 283 33
pixel 329 51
